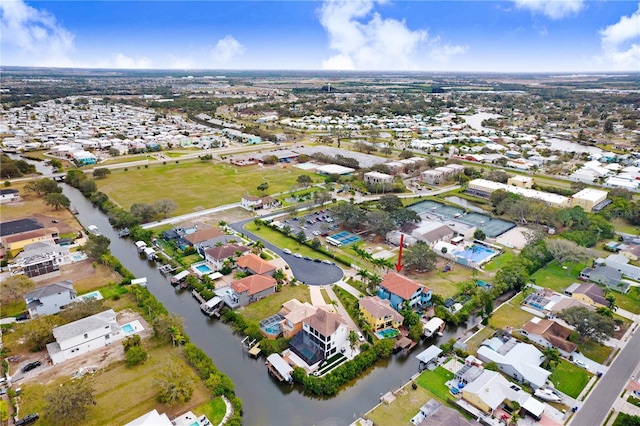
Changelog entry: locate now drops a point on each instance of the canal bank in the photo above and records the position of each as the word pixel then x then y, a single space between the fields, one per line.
pixel 265 402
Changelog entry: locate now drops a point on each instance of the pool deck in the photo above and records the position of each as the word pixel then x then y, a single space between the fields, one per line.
pixel 137 327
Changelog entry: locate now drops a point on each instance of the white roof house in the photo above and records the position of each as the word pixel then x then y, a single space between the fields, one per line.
pixel 519 360
pixel 152 418
pixel 334 169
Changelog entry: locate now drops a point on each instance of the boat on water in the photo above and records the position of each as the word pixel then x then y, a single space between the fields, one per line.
pixel 93 230
pixel 125 232
pixel 547 394
pixel 434 326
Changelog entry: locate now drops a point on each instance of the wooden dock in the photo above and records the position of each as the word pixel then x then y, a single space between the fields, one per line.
pixel 198 297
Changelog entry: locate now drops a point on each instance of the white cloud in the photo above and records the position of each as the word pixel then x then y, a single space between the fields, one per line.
pixel 122 61
pixel 365 40
pixel 621 42
pixel 226 49
pixel 442 52
pixel 554 9
pixel 36 33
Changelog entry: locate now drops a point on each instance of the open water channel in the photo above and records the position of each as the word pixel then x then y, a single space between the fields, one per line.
pixel 265 401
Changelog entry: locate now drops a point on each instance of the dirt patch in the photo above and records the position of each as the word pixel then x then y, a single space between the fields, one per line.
pixel 84 276
pixel 94 360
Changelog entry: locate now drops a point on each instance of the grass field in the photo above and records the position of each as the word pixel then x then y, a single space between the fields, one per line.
pixel 569 378
pixel 194 185
pixel 214 409
pixel 557 278
pixel 399 412
pixel 446 284
pixel 113 388
pixel 510 314
pixel 592 349
pixel 271 305
pixel 622 225
pixel 500 261
pixel 434 382
pixel 629 301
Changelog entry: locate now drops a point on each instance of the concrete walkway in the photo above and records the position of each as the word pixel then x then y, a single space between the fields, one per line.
pixel 341 310
pixel 628 315
pixel 349 289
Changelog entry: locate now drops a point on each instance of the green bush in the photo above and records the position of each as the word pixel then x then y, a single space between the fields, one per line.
pixel 135 356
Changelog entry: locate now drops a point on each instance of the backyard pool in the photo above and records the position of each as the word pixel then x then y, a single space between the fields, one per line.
pixel 387 333
pixel 78 257
pixel 93 295
pixel 131 328
pixel 476 253
pixel 204 269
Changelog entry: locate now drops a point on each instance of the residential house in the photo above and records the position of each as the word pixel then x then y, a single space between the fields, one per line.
pixel 152 418
pixel 549 334
pixel 16 242
pixel 490 391
pixel 400 290
pixel 588 293
pixel 516 359
pixel 9 195
pixel 621 264
pixel 430 232
pixel 323 334
pixel 40 258
pixel 607 276
pixel 203 235
pixel 632 252
pixel 87 334
pixel 294 313
pixel 216 256
pixel 549 302
pixel 19 226
pixel 377 178
pixel 251 202
pixel 471 370
pixel 432 177
pixel 379 314
pixel 255 265
pixel 247 290
pixel 49 299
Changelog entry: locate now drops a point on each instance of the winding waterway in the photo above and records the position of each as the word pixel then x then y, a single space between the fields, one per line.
pixel 265 402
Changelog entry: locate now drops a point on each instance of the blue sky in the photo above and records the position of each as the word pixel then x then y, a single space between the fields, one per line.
pixel 470 36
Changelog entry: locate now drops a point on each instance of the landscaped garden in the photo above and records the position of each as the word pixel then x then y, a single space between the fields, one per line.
pixel 569 379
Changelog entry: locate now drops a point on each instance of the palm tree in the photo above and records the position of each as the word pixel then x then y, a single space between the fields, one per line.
pixel 362 273
pixel 551 357
pixel 257 247
pixel 279 276
pixel 374 281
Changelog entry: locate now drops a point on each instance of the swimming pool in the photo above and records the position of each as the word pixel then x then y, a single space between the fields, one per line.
pixel 476 253
pixel 204 269
pixel 93 295
pixel 131 327
pixel 387 333
pixel 77 257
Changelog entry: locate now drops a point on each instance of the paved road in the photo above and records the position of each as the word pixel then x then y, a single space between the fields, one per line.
pixel 306 271
pixel 601 399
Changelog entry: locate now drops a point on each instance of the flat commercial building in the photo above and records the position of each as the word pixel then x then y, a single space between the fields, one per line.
pixel 484 188
pixel 588 199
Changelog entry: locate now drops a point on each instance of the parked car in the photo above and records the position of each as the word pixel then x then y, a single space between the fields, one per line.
pixel 22 317
pixel 579 363
pixel 27 420
pixel 31 366
pixel 298 255
pixel 286 251
pixel 327 262
pixel 307 258
pixel 317 260
pixel 360 336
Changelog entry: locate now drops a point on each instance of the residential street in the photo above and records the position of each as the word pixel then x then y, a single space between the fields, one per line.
pixel 599 402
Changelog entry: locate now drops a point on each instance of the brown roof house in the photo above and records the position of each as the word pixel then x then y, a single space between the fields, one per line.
pixel 247 290
pixel 215 256
pixel 254 264
pixel 588 293
pixel 549 334
pixel 203 235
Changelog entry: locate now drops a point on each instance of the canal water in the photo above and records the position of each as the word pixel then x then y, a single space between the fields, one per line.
pixel 265 402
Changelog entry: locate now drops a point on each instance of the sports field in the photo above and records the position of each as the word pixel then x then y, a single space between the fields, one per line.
pixel 195 185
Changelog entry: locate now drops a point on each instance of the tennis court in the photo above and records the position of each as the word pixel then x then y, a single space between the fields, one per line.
pixel 342 239
pixel 442 211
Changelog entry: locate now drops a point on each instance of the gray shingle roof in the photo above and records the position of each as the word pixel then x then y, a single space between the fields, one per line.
pixel 85 325
pixel 48 290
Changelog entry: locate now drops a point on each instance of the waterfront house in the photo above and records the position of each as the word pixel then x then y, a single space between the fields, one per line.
pixel 247 290
pixel 87 334
pixel 516 359
pixel 323 335
pixel 41 258
pixel 400 290
pixel 216 256
pixel 379 314
pixel 294 313
pixel 49 299
pixel 490 391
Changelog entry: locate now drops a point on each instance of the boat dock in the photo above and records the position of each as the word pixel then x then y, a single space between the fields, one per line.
pixel 278 368
pixel 166 269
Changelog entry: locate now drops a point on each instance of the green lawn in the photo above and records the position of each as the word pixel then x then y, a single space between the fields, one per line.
pixel 509 315
pixel 474 343
pixel 446 284
pixel 271 305
pixel 500 261
pixel 629 302
pixel 569 378
pixel 592 349
pixel 114 388
pixel 434 382
pixel 622 225
pixel 557 278
pixel 624 419
pixel 197 185
pixel 214 409
pixel 402 409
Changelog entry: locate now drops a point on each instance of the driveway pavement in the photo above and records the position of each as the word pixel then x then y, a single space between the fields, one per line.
pixel 305 271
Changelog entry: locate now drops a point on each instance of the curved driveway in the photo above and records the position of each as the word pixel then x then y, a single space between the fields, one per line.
pixel 306 271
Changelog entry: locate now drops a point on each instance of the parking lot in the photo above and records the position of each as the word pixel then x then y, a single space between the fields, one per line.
pixel 313 224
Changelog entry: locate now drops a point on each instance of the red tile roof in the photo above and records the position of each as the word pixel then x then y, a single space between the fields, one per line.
pixel 401 286
pixel 255 263
pixel 253 284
